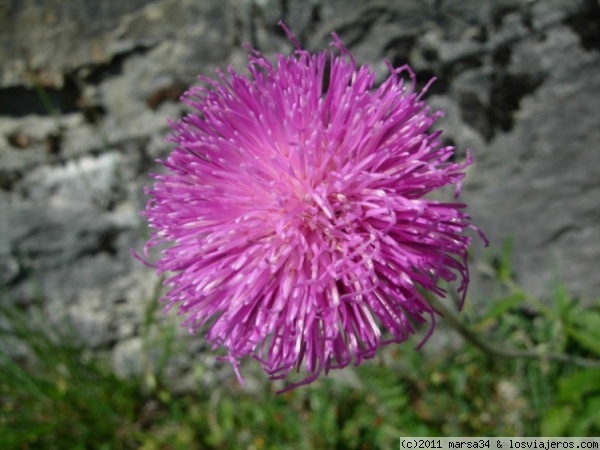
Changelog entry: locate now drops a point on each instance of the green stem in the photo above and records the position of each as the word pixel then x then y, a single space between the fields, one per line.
pixel 474 340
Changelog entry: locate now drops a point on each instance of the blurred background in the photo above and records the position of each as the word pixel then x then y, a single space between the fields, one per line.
pixel 88 360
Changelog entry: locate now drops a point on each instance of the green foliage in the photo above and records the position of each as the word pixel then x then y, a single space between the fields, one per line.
pixel 58 395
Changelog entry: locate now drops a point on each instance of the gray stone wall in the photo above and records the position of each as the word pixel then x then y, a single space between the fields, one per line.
pixel 86 88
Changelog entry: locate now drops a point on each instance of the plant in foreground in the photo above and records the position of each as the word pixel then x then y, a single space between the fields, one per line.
pixel 294 212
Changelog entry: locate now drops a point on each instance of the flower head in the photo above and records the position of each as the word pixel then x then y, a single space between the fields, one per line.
pixel 295 214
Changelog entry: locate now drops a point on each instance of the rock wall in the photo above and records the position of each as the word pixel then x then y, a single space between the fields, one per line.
pixel 86 88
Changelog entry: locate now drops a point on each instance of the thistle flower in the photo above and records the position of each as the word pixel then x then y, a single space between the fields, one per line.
pixel 295 216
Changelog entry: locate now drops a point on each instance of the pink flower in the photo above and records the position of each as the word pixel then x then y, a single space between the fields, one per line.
pixel 295 214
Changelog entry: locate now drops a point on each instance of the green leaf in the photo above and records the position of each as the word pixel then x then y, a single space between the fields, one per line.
pixel 587 331
pixel 578 385
pixel 504 267
pixel 567 307
pixel 556 420
pixel 505 304
pixel 590 342
pixel 588 422
pixel 590 321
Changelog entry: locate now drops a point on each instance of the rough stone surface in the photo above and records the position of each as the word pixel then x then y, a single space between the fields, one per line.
pixel 86 88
